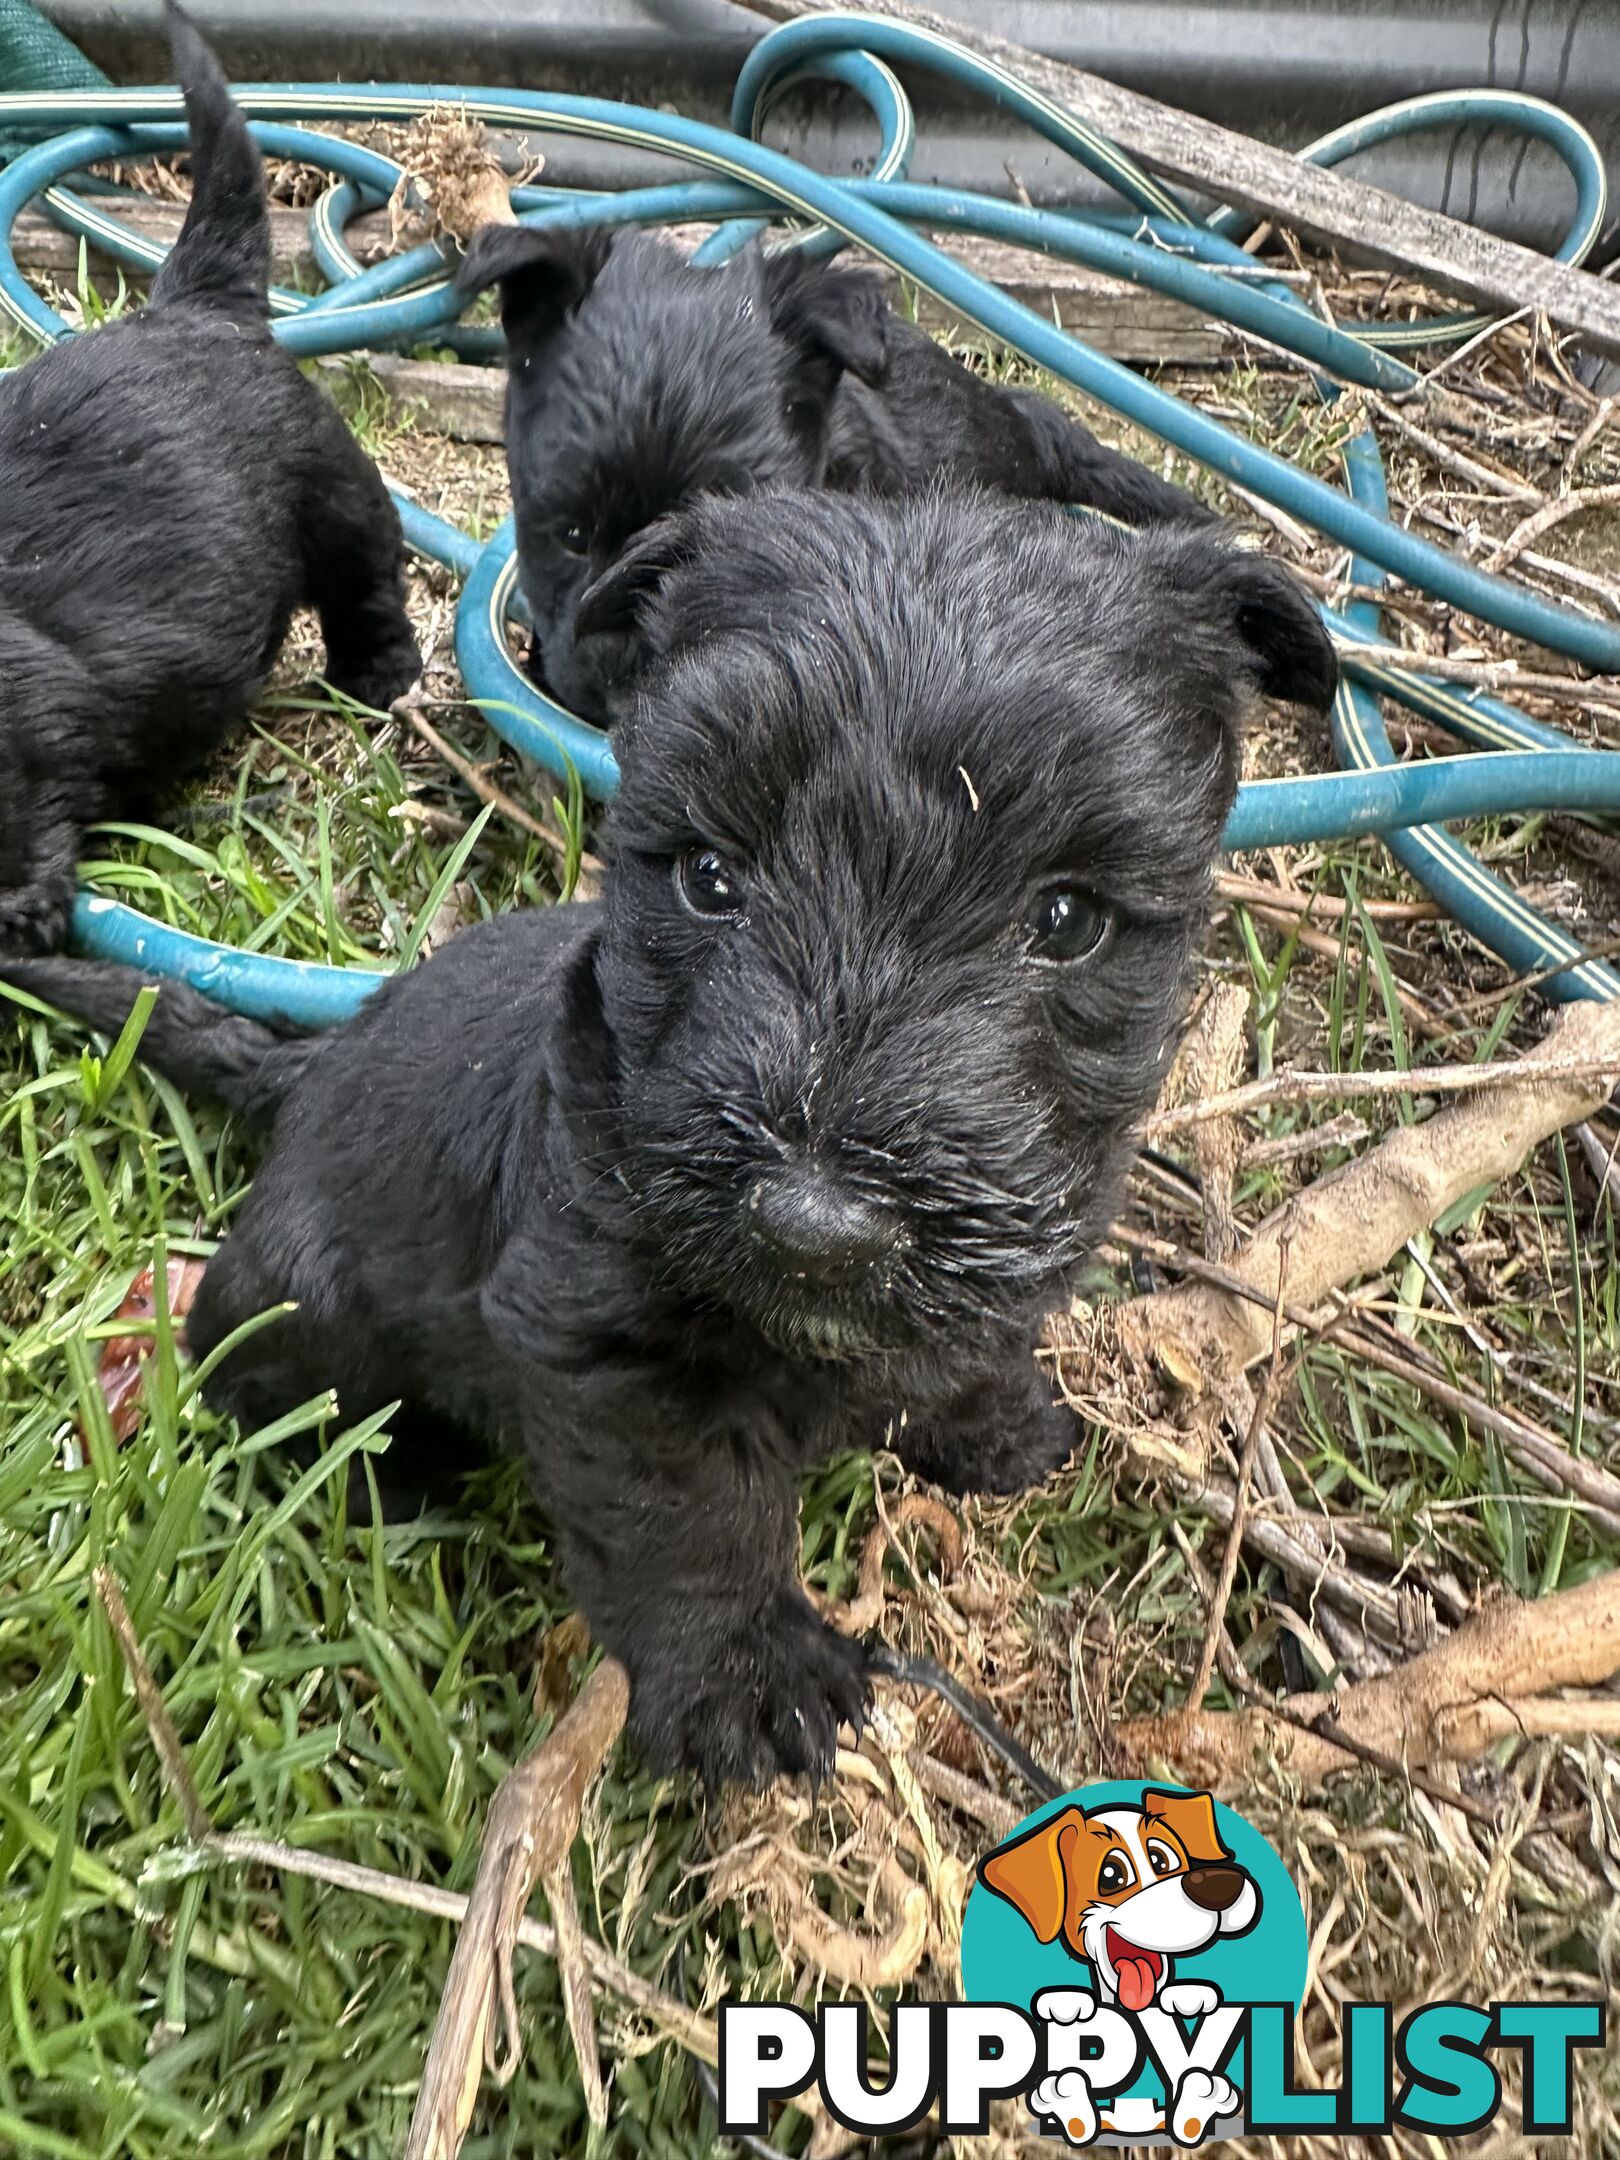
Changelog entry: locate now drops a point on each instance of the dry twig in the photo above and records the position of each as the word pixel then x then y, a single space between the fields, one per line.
pixel 1287 1086
pixel 546 831
pixel 1543 520
pixel 533 1821
pixel 1493 1679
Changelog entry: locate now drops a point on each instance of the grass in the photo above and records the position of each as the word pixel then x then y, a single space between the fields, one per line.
pixel 360 1691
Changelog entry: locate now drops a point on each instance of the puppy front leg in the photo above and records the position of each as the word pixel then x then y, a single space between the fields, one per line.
pixel 39 848
pixel 354 558
pixel 1001 1435
pixel 686 1568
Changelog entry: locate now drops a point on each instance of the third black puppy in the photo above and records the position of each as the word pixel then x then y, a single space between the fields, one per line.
pixel 638 383
pixel 171 488
pixel 790 1142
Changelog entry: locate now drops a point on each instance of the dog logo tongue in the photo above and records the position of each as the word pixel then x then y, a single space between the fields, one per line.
pixel 1136 1983
pixel 1136 1972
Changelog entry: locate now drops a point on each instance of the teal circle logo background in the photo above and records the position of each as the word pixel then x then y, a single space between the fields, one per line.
pixel 1003 1962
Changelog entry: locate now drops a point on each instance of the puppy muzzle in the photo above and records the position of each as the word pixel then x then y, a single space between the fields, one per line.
pixel 818 1230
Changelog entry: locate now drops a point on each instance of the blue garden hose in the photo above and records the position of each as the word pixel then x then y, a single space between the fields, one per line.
pixel 1524 766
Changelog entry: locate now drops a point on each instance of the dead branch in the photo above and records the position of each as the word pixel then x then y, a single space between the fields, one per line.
pixel 1451 460
pixel 237 1848
pixel 533 1821
pixel 1494 1677
pixel 1543 520
pixel 587 886
pixel 1206 1066
pixel 695 2032
pixel 1291 1086
pixel 1345 1130
pixel 1284 900
pixel 1220 1595
pixel 1352 1222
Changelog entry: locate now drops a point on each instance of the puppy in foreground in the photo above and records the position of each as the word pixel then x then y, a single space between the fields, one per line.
pixel 637 382
pixel 791 1141
pixel 171 488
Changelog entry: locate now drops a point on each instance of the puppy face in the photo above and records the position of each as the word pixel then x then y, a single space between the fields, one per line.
pixel 917 812
pixel 1127 1888
pixel 639 383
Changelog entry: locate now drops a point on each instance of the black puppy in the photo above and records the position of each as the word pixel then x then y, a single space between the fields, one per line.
pixel 789 1143
pixel 637 383
pixel 171 488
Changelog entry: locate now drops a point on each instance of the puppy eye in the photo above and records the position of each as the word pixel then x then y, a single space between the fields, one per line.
pixel 1066 924
pixel 707 883
pixel 1162 1860
pixel 1114 1875
pixel 573 540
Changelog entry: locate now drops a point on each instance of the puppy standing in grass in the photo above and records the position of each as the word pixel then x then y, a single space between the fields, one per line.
pixel 171 488
pixel 637 383
pixel 790 1142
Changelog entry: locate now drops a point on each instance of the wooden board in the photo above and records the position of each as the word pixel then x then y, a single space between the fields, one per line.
pixel 1143 329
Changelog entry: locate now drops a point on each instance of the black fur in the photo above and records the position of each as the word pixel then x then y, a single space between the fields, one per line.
pixel 637 383
pixel 171 488
pixel 676 1203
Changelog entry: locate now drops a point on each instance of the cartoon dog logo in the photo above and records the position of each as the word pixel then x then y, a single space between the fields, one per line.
pixel 1128 1888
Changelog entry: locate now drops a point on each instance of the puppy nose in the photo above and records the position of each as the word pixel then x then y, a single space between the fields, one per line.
pixel 816 1227
pixel 1213 1887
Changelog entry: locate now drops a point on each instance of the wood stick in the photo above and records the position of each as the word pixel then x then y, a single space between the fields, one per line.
pixel 1489 1680
pixel 533 1820
pixel 1326 906
pixel 1545 1456
pixel 690 2028
pixel 239 1848
pixel 1350 1224
pixel 1221 1593
pixel 1455 462
pixel 1543 520
pixel 1542 1453
pixel 1289 1086
pixel 1323 205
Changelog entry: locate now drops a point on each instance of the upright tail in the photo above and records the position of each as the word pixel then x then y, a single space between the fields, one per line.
pixel 222 257
pixel 188 1038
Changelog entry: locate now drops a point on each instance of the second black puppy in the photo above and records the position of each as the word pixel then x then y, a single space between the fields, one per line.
pixel 638 382
pixel 789 1143
pixel 171 488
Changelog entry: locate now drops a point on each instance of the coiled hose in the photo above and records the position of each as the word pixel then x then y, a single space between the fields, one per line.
pixel 1517 765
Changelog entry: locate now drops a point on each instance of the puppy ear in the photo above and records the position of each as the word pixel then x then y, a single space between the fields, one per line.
pixel 1192 1817
pixel 618 599
pixel 834 318
pixel 1285 642
pixel 543 272
pixel 1029 1872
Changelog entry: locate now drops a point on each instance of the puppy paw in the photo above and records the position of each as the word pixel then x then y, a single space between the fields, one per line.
pixel 759 1703
pixel 34 918
pixel 1064 2097
pixel 1065 2006
pixel 1189 1998
pixel 1201 2098
pixel 377 677
pixel 991 1455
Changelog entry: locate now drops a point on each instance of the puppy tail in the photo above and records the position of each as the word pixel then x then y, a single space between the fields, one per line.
pixel 1077 468
pixel 188 1038
pixel 222 257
